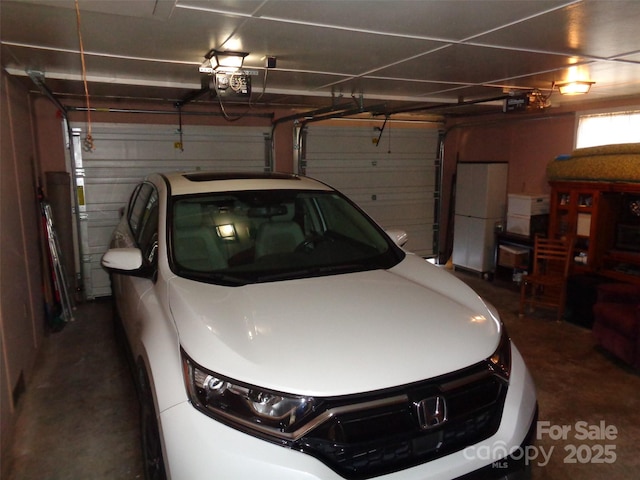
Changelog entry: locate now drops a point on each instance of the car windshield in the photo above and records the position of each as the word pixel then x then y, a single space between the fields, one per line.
pixel 235 238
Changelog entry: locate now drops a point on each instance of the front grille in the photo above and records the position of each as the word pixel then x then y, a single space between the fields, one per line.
pixel 373 441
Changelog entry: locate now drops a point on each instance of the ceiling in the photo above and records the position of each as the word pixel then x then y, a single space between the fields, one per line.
pixel 390 55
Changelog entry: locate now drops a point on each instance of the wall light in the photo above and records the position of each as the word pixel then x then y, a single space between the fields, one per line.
pixel 574 87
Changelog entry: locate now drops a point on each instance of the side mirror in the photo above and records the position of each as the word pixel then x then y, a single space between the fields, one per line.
pixel 399 237
pixel 126 261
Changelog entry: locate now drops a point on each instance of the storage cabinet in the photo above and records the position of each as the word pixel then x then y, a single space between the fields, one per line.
pixel 527 214
pixel 574 209
pixel 596 213
pixel 481 191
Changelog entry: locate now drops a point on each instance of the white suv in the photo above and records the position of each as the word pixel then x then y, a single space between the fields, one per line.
pixel 277 332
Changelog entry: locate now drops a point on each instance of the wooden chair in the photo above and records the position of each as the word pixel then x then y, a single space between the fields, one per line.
pixel 546 286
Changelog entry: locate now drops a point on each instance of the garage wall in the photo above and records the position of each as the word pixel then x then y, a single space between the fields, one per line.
pixel 21 301
pixel 527 142
pixel 393 175
pixel 124 154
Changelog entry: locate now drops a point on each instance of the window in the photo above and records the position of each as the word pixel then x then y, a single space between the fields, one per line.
pixel 143 220
pixel 607 128
pixel 148 236
pixel 250 236
pixel 137 208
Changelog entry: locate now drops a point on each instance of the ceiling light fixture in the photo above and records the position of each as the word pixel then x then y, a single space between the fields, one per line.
pixel 222 61
pixel 574 87
pixel 226 231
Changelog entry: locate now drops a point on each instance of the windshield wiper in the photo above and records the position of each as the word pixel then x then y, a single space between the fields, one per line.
pixel 310 272
pixel 220 278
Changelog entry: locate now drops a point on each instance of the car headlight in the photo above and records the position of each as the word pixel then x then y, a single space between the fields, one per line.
pixel 500 361
pixel 248 407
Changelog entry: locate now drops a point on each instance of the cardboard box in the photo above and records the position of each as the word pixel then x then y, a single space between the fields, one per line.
pixel 527 205
pixel 512 257
pixel 527 225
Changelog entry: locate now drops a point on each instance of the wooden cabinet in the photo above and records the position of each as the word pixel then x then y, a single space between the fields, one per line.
pixel 574 211
pixel 594 213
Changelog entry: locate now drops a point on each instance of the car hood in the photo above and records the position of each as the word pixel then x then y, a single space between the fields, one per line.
pixel 339 334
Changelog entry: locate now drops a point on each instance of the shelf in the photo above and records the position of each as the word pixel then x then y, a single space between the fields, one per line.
pixel 564 199
pixel 622 256
pixel 627 276
pixel 585 200
pixel 592 211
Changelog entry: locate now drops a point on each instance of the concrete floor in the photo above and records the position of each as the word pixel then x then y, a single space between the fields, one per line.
pixel 78 417
pixel 576 382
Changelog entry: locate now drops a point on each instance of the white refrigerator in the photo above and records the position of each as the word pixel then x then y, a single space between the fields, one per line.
pixel 480 204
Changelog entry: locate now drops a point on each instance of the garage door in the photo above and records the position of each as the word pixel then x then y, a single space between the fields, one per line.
pixel 395 180
pixel 125 153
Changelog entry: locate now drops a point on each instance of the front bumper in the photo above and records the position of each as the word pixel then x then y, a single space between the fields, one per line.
pixel 198 447
pixel 513 467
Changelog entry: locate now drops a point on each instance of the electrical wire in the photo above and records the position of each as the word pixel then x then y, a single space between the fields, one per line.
pixel 251 103
pixel 227 117
pixel 88 143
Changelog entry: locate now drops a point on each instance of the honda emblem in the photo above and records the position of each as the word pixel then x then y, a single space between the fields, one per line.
pixel 432 412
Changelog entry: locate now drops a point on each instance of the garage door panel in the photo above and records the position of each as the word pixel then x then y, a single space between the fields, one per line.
pixel 397 214
pixel 394 182
pixel 224 150
pixel 122 150
pixel 126 153
pixel 419 238
pixel 380 177
pixel 97 281
pixel 361 140
pixel 163 143
pixel 104 168
pixel 100 238
pixel 108 210
pixel 390 192
pixel 395 200
pixel 358 162
pixel 104 193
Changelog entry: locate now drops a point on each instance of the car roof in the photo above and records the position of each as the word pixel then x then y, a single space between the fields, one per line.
pixel 184 183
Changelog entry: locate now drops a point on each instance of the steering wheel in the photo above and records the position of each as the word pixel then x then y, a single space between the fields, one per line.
pixel 309 243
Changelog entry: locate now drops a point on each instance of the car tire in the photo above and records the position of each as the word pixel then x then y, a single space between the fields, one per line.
pixel 150 434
